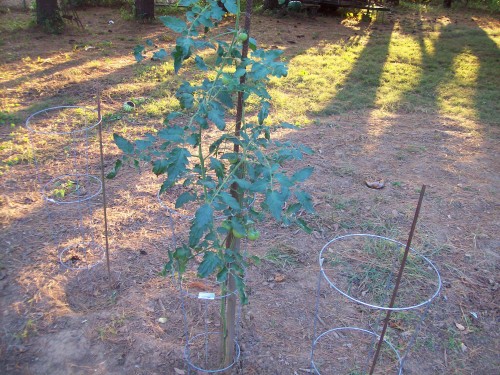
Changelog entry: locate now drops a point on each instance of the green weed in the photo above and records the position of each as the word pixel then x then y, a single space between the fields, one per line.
pixel 283 257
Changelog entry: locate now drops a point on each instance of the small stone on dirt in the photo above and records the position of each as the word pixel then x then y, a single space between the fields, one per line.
pixel 162 320
pixel 179 371
pixel 463 347
pixel 460 326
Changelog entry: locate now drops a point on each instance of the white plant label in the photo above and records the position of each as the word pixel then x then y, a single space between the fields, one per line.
pixel 205 295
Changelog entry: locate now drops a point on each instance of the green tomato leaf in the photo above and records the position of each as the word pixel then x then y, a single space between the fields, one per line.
pixel 210 263
pixel 185 198
pixel 178 56
pixel 303 174
pixel 160 55
pixel 185 95
pixel 225 98
pixel 187 3
pixel 114 171
pixel 252 44
pixel 264 112
pixel 216 115
pixel 138 50
pixel 217 13
pixel 222 275
pixel 230 200
pixel 240 286
pixel 286 125
pixel 274 202
pixel 303 225
pixel 202 221
pixel 200 63
pixel 172 116
pixel 178 160
pixel 172 134
pixel 182 255
pixel 123 144
pixel 305 200
pixel 218 167
pixel 160 166
pixel 173 23
pixel 231 6
pixel 168 266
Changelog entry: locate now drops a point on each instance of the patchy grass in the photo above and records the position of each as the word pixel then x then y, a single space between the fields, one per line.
pixel 283 256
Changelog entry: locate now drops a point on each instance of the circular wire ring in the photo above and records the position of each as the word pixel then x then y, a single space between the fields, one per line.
pixel 187 355
pixel 438 289
pixel 46 110
pixel 359 330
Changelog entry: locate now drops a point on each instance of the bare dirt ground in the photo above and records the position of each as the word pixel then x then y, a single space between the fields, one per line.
pixel 56 321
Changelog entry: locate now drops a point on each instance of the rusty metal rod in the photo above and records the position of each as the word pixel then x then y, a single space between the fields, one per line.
pixel 104 202
pixel 398 280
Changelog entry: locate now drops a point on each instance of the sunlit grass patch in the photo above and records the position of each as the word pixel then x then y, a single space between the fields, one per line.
pixel 161 107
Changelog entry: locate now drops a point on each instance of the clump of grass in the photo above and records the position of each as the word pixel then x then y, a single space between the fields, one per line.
pixel 283 257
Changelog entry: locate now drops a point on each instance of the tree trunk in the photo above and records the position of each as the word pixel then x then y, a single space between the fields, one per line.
pixel 447 3
pixel 48 15
pixel 144 9
pixel 271 4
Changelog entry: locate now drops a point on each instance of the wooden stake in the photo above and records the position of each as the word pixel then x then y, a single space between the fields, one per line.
pixel 398 280
pixel 104 203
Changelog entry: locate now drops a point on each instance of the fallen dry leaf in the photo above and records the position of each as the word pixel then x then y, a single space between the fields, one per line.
pixel 179 371
pixel 198 285
pixel 279 278
pixel 459 326
pixel 375 184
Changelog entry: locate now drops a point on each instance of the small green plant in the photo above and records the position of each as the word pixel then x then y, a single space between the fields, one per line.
pixel 111 329
pixel 7 118
pixel 63 188
pixel 221 170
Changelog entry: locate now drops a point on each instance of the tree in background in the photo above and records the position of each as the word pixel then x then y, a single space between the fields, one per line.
pixel 144 9
pixel 48 15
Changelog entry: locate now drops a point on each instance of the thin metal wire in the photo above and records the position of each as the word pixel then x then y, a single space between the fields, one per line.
pixel 171 215
pixel 345 294
pixel 316 316
pixel 86 185
pixel 46 189
pixel 356 329
pixel 382 307
pixel 47 110
pixel 214 371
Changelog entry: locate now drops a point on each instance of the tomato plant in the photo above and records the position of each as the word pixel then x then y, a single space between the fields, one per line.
pixel 242 182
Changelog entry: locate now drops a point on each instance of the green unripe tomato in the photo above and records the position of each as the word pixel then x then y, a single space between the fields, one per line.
pixel 242 37
pixel 233 160
pixel 238 234
pixel 253 234
pixel 226 224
